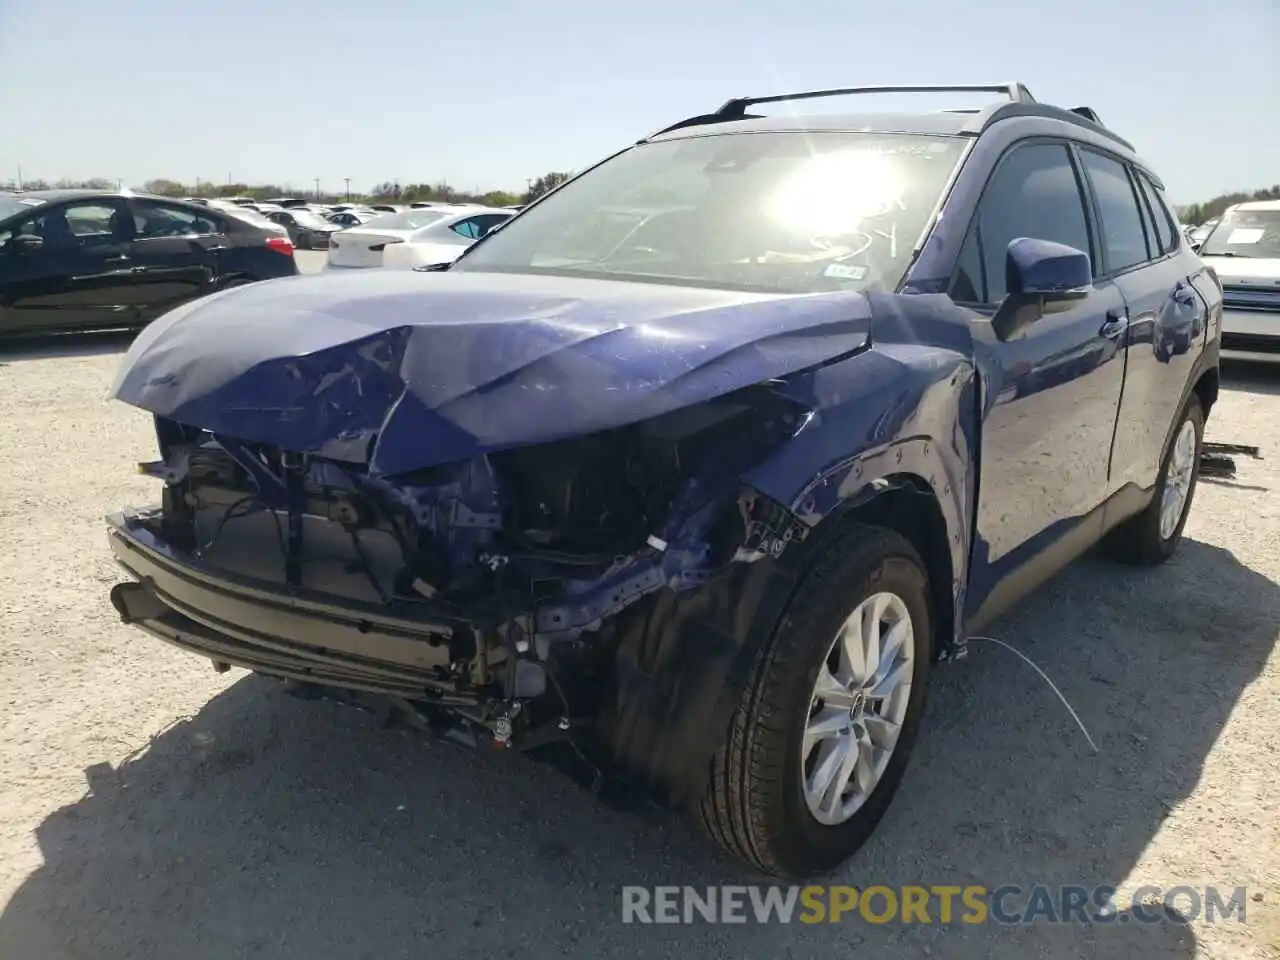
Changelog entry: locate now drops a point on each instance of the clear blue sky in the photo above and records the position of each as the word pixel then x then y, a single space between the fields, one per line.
pixel 486 93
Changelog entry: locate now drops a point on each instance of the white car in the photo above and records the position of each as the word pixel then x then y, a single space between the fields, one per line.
pixel 1244 250
pixel 413 238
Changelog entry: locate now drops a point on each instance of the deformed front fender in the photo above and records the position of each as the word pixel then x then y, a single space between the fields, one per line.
pixel 903 413
pixel 906 410
pixel 682 661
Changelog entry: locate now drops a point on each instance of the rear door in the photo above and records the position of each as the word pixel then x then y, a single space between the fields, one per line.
pixel 1166 315
pixel 1052 393
pixel 67 268
pixel 176 252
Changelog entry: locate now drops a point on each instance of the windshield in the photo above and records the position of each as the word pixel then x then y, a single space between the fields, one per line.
pixel 11 205
pixel 406 220
pixel 1245 233
pixel 776 212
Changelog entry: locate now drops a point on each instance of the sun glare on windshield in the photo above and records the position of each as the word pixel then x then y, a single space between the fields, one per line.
pixel 832 192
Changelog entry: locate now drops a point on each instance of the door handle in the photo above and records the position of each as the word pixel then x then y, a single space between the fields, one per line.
pixel 137 269
pixel 1114 325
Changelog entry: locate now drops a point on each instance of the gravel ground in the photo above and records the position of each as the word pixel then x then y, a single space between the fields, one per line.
pixel 152 808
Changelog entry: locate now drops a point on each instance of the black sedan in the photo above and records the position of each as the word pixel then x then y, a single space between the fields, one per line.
pixel 307 229
pixel 82 259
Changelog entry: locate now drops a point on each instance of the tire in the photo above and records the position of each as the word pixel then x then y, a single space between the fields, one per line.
pixel 754 805
pixel 1140 541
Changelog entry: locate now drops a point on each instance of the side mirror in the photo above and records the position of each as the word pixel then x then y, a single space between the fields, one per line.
pixel 27 244
pixel 1196 245
pixel 1042 277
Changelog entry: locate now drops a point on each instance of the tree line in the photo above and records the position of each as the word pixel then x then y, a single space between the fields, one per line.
pixel 1198 213
pixel 395 192
pixel 389 191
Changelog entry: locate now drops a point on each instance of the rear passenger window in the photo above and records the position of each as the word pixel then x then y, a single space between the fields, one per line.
pixel 1034 193
pixel 1166 222
pixel 152 220
pixel 1124 237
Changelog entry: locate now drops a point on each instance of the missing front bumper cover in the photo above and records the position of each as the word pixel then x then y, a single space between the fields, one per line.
pixel 285 632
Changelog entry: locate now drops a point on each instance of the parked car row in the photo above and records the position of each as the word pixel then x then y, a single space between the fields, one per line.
pixel 422 232
pixel 1199 232
pixel 80 259
pixel 414 238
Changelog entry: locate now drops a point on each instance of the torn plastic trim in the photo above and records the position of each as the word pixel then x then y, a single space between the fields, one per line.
pixel 686 562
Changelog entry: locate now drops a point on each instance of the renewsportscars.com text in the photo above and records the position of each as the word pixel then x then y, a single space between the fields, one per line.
pixel 943 903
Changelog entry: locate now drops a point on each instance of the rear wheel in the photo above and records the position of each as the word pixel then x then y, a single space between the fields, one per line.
pixel 1151 537
pixel 821 738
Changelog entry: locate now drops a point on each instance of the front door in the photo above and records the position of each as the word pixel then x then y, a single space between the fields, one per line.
pixel 176 251
pixel 1052 393
pixel 67 268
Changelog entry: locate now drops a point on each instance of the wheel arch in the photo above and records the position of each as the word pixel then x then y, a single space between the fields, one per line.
pixel 1206 388
pixel 906 504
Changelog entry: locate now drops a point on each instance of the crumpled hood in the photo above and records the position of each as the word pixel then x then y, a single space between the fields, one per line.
pixel 404 370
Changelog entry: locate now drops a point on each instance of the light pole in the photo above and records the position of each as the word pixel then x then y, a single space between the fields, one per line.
pixel 347 181
pixel 317 179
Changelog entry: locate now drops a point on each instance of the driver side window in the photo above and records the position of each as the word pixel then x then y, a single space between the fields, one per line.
pixel 1035 192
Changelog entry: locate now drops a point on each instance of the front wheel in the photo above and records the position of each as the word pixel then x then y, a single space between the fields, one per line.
pixel 820 740
pixel 1151 537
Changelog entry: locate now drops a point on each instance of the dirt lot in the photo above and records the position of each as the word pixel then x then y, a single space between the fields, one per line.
pixel 151 808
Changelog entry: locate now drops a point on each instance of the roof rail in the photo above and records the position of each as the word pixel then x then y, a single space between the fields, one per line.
pixel 1016 92
pixel 736 109
pixel 1079 116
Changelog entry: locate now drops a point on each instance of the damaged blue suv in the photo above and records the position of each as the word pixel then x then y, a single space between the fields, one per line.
pixel 686 475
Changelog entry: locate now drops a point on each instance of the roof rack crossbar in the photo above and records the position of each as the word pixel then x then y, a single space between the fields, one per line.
pixel 1016 92
pixel 697 121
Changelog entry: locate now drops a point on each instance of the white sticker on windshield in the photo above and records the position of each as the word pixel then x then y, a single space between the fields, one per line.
pixel 1246 235
pixel 844 271
pixel 30 201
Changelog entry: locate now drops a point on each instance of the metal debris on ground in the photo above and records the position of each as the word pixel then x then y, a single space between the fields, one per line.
pixel 1216 459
